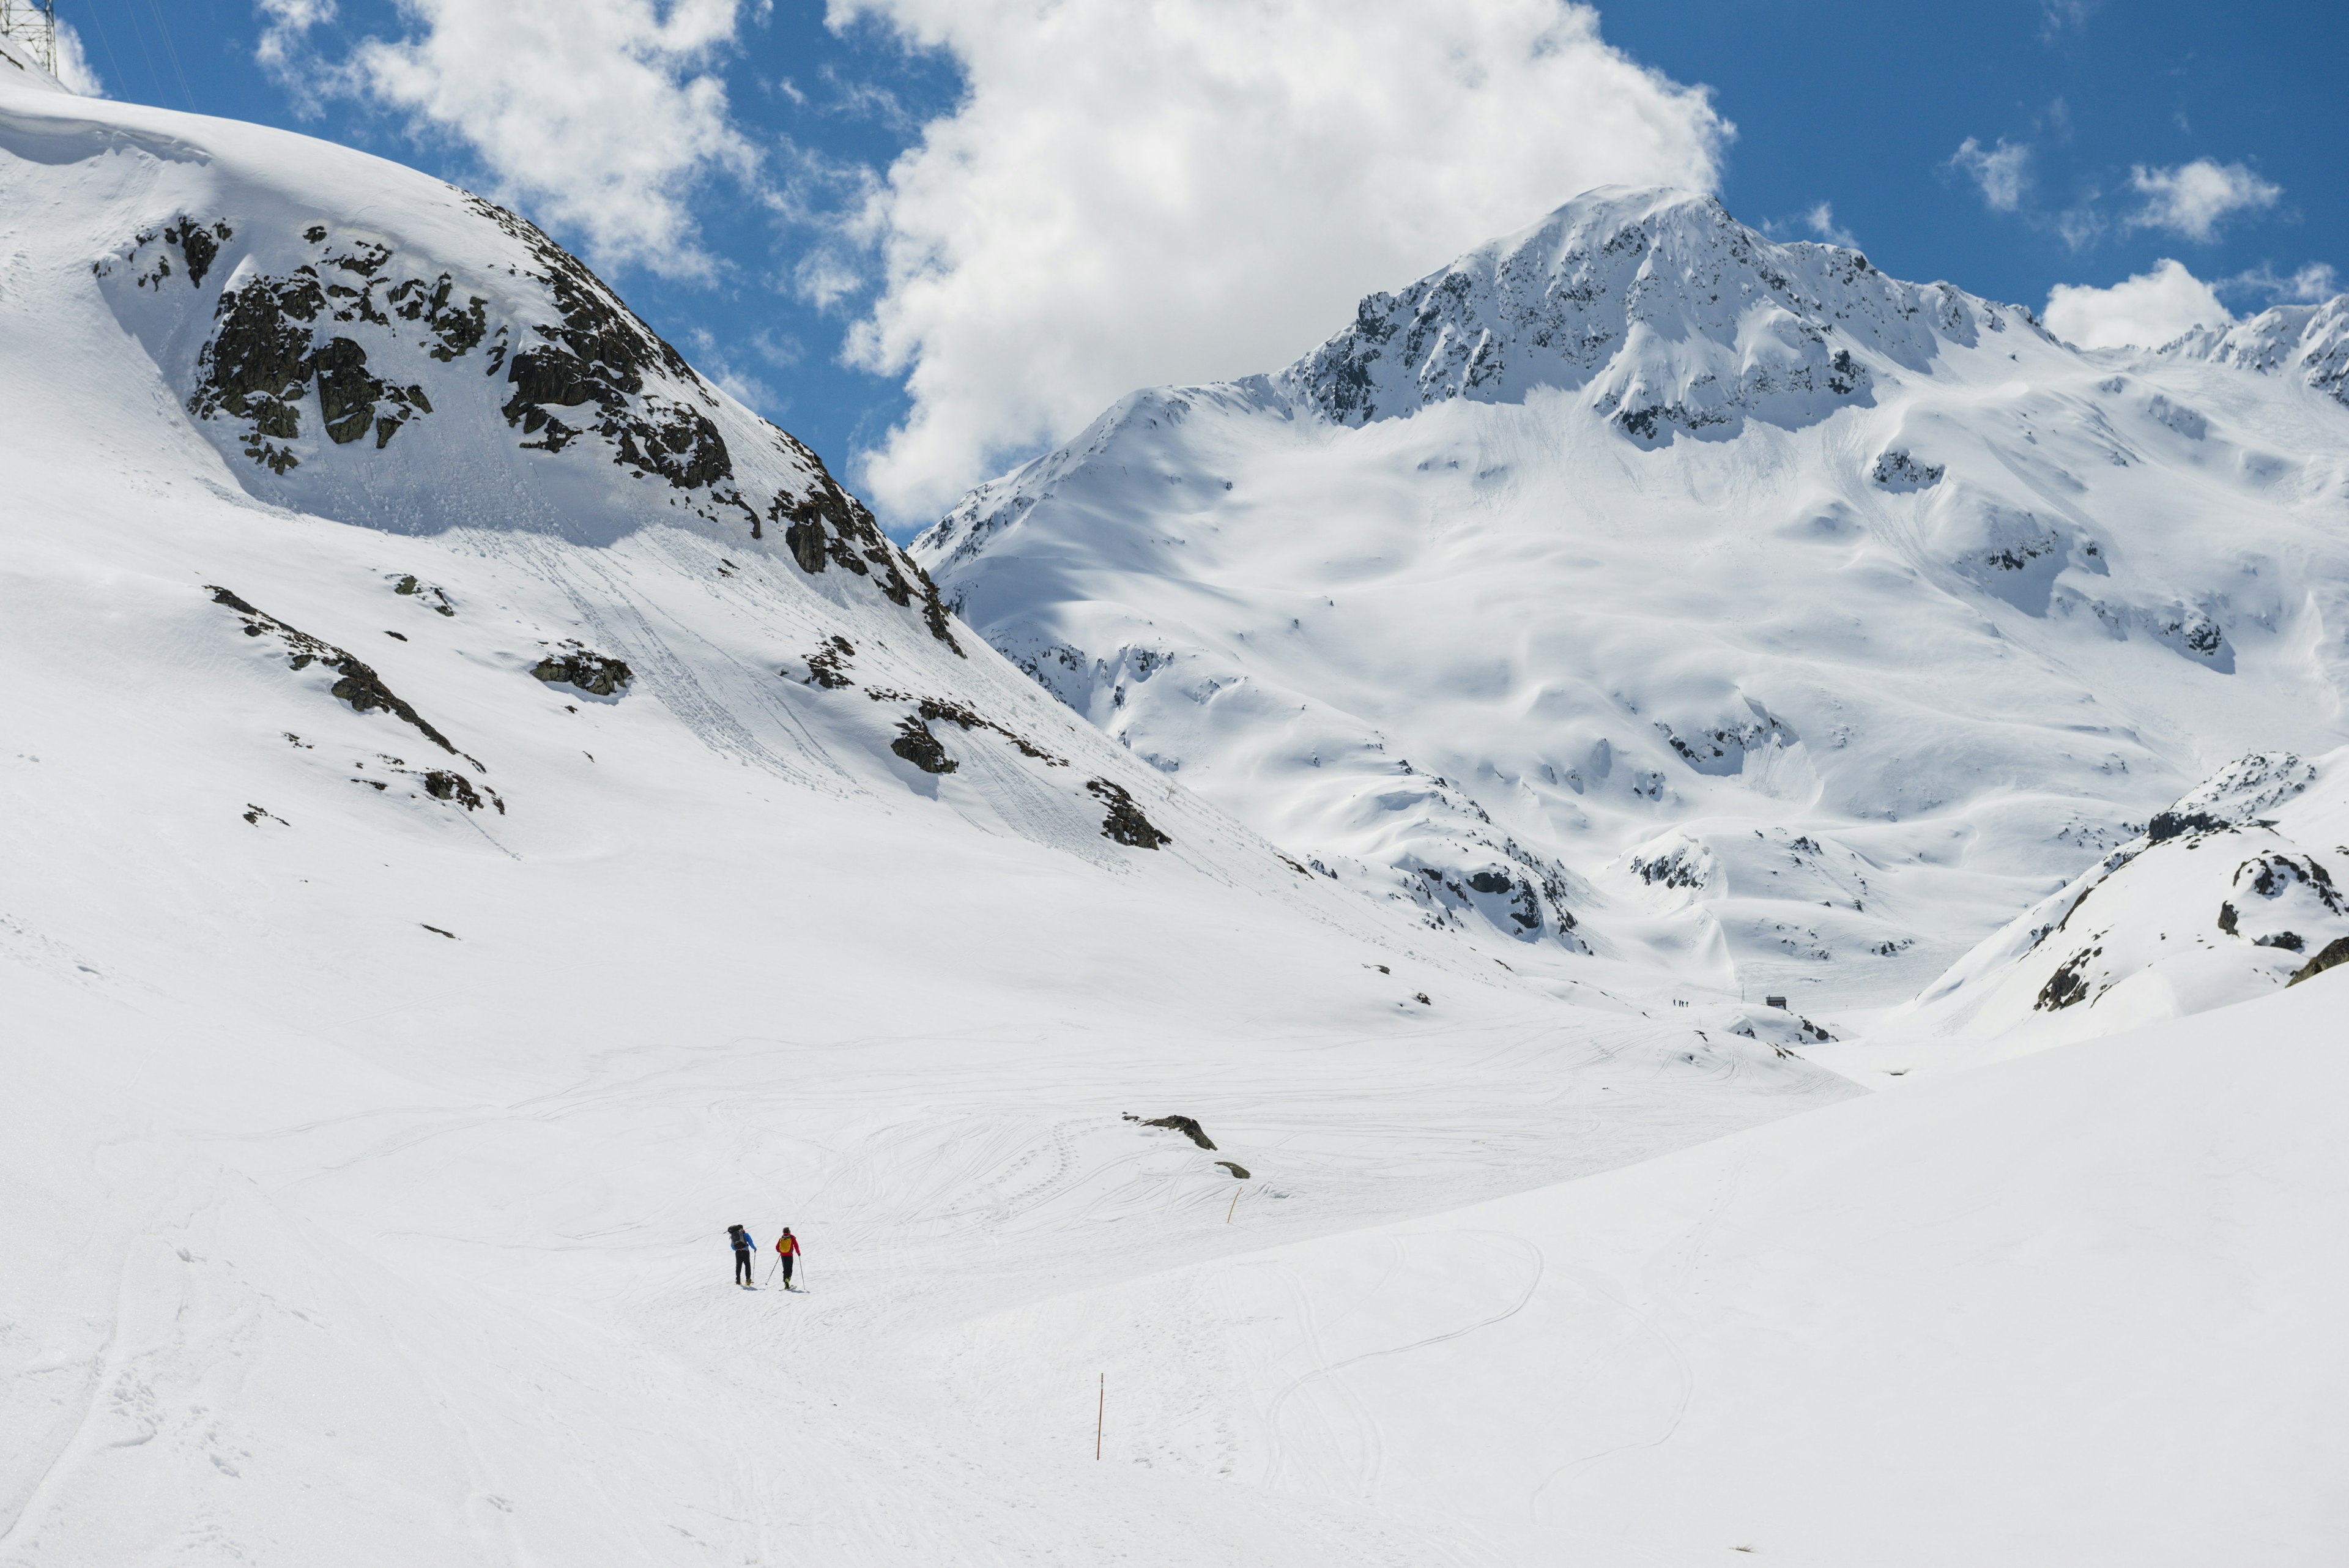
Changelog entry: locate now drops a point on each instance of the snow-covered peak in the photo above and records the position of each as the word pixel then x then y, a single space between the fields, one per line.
pixel 1671 314
pixel 2309 341
pixel 1927 613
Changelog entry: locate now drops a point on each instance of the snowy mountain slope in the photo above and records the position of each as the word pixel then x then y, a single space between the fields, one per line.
pixel 452 871
pixel 1718 604
pixel 2229 895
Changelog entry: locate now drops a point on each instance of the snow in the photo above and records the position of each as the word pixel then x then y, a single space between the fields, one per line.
pixel 371 1140
pixel 2069 1310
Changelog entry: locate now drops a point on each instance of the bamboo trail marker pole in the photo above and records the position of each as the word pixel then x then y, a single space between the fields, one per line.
pixel 1234 1205
pixel 1101 1408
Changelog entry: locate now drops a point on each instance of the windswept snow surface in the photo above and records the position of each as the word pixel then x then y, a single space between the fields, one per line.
pixel 1784 626
pixel 453 874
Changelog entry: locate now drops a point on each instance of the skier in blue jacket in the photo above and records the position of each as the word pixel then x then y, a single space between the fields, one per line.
pixel 742 1245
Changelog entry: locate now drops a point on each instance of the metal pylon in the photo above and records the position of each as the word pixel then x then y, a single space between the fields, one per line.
pixel 34 24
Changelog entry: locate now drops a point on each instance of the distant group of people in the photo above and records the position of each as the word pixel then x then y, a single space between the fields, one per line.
pixel 787 1249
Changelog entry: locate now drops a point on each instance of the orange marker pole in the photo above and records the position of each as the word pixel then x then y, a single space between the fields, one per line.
pixel 1234 1205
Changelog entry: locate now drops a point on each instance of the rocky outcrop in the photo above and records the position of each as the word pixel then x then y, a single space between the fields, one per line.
pixel 1187 1126
pixel 918 747
pixel 590 672
pixel 2336 954
pixel 273 342
pixel 340 339
pixel 1125 824
pixel 360 685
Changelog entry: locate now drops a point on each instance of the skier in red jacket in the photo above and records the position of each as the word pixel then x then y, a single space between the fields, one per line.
pixel 787 1247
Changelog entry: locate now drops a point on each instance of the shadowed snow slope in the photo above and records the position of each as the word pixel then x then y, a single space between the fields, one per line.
pixel 1637 585
pixel 484 811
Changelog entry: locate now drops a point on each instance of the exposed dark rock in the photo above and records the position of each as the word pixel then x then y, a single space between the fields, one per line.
pixel 442 785
pixel 2068 984
pixel 2169 825
pixel 2334 954
pixel 438 598
pixel 600 356
pixel 2272 876
pixel 1420 997
pixel 828 665
pixel 199 245
pixel 918 747
pixel 1125 824
pixel 1897 470
pixel 264 352
pixel 2227 919
pixel 590 672
pixel 805 541
pixel 360 685
pixel 936 709
pixel 1239 1172
pixel 1189 1126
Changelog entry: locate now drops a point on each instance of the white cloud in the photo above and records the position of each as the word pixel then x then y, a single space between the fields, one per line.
pixel 2148 311
pixel 2192 199
pixel 73 63
pixel 2314 282
pixel 597 115
pixel 2001 172
pixel 1820 220
pixel 1135 192
pixel 285 28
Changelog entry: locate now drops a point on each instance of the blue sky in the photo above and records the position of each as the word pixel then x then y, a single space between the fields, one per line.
pixel 1092 197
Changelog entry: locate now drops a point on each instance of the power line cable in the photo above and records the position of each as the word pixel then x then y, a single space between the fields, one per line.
pixel 108 44
pixel 154 75
pixel 172 50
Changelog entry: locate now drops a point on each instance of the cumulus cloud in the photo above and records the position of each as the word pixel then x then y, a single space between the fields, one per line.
pixel 2191 200
pixel 1132 191
pixel 2001 172
pixel 2148 311
pixel 601 116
